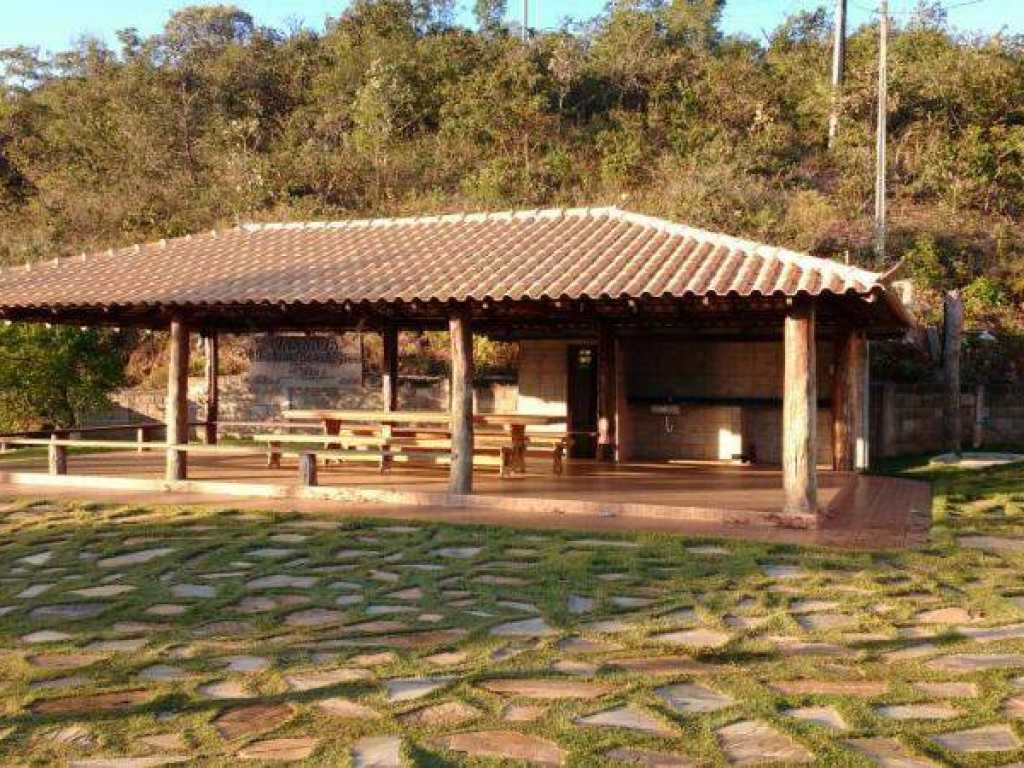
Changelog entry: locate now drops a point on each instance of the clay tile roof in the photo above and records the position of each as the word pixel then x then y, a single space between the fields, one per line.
pixel 571 253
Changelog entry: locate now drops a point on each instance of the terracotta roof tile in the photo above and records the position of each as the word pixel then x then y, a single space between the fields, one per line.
pixel 525 254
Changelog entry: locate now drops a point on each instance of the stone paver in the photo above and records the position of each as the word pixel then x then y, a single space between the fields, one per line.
pixel 348 709
pixel 927 711
pixel 252 720
pixel 963 663
pixel 989 738
pixel 279 750
pixel 865 689
pixel 377 752
pixel 631 718
pixel 888 753
pixel 448 714
pixel 508 745
pixel 410 689
pixel 308 681
pixel 750 742
pixel 691 699
pixel 548 688
pixel 139 557
pixel 694 638
pixel 827 717
pixel 524 628
pixel 648 758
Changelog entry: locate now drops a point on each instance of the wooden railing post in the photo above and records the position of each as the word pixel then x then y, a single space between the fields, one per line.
pixel 460 478
pixel 176 415
pixel 307 469
pixel 57 455
pixel 799 412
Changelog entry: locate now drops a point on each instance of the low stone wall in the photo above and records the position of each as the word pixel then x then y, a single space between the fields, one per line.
pixel 241 400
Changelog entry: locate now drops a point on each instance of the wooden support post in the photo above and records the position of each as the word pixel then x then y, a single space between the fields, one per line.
pixel 860 403
pixel 849 380
pixel 176 415
pixel 953 308
pixel 842 442
pixel 979 417
pixel 799 413
pixel 389 373
pixel 58 458
pixel 461 470
pixel 605 393
pixel 307 469
pixel 140 439
pixel 212 349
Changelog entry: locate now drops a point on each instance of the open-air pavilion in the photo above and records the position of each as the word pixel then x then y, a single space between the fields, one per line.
pixel 684 374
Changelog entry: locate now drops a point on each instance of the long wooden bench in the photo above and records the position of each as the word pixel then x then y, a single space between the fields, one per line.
pixel 491 448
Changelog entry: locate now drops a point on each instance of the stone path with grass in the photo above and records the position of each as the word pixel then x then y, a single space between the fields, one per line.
pixel 137 637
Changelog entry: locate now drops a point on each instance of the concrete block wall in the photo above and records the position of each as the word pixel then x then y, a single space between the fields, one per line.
pixel 732 369
pixel 543 377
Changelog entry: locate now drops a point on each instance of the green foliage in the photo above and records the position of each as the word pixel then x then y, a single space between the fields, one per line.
pixel 54 376
pixel 392 109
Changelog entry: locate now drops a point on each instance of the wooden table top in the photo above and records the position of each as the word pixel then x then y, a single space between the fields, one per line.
pixel 421 417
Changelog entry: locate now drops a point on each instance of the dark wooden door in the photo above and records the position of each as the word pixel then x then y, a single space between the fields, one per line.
pixel 583 401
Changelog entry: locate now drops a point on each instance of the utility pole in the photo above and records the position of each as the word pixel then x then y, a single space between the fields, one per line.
pixel 883 115
pixel 526 13
pixel 838 71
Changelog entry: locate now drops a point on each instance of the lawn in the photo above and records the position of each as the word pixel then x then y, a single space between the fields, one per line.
pixel 144 636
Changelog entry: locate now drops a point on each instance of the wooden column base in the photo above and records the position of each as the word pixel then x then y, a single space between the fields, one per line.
pixel 307 470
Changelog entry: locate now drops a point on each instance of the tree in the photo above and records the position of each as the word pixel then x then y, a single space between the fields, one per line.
pixel 490 14
pixel 381 113
pixel 55 376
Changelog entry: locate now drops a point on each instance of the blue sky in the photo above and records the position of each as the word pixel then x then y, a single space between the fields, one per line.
pixel 53 24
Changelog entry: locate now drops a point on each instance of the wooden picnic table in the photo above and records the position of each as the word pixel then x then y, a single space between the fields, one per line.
pixel 514 424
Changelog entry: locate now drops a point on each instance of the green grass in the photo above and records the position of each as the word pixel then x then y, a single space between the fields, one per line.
pixel 215 541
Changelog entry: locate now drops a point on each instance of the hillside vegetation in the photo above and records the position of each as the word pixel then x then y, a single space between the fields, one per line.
pixel 393 109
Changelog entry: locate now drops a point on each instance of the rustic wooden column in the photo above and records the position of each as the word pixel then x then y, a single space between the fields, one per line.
pixel 799 413
pixel 212 350
pixel 953 309
pixel 460 479
pixel 848 382
pixel 176 416
pixel 389 373
pixel 605 393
